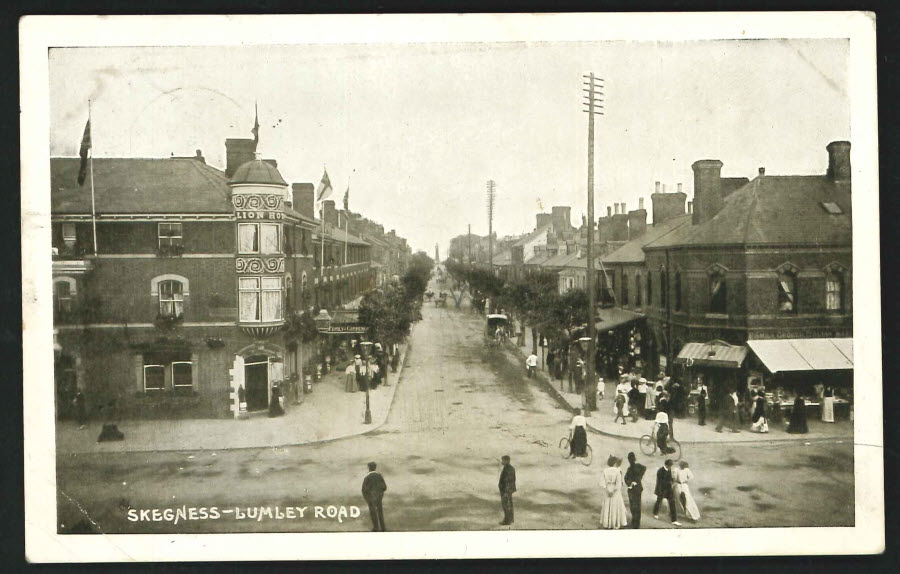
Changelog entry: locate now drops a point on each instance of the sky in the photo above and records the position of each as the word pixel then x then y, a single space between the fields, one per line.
pixel 417 130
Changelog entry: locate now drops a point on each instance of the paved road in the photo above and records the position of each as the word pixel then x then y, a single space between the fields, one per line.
pixel 460 406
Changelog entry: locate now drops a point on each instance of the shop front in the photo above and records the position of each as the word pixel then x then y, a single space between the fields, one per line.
pixel 718 365
pixel 810 369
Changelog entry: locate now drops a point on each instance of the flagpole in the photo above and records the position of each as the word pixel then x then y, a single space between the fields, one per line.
pixel 346 219
pixel 91 166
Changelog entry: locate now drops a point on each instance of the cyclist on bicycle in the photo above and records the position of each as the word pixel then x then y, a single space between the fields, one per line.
pixel 577 434
pixel 661 430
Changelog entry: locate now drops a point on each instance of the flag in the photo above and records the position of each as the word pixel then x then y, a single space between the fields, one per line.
pixel 324 189
pixel 255 130
pixel 85 148
pixel 347 198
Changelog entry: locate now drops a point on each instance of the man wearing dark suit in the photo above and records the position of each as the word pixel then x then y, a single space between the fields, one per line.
pixel 729 413
pixel 665 490
pixel 507 488
pixel 633 477
pixel 373 488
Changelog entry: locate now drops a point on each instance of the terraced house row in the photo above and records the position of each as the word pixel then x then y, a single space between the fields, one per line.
pixel 182 295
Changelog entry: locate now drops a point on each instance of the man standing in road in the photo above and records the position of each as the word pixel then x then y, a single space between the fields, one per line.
pixel 507 488
pixel 633 477
pixel 665 491
pixel 373 488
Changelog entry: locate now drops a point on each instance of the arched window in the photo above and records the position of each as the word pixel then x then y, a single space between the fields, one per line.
pixel 718 292
pixel 64 292
pixel 677 288
pixel 649 288
pixel 834 290
pixel 787 290
pixel 663 288
pixel 171 298
pixel 638 299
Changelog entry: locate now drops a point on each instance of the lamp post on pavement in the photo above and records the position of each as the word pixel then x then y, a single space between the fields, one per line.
pixel 585 344
pixel 365 348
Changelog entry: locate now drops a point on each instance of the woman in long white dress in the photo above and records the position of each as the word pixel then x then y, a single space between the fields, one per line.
pixel 612 512
pixel 680 478
pixel 828 405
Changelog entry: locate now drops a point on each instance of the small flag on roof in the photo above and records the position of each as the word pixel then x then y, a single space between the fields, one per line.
pixel 324 189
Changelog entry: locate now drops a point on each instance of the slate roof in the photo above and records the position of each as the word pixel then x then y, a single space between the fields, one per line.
pixel 542 230
pixel 560 260
pixel 633 251
pixel 139 185
pixel 773 210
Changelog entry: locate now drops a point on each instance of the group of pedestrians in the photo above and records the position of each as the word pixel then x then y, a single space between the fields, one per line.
pixel 672 486
pixel 361 374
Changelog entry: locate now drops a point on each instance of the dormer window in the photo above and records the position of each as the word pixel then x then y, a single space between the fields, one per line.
pixel 68 235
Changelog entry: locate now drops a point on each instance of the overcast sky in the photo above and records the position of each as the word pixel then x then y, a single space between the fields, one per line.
pixel 416 130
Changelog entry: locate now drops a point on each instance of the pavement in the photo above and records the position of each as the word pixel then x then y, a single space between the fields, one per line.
pixel 685 430
pixel 327 413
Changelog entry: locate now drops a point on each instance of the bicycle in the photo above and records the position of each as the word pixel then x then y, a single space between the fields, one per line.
pixel 649 448
pixel 565 450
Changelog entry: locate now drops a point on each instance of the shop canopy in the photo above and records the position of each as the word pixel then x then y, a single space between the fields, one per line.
pixel 784 355
pixel 609 319
pixel 712 354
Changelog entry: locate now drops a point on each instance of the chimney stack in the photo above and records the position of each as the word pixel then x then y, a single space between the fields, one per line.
pixel 304 199
pixel 657 188
pixel 238 151
pixel 637 221
pixel 199 157
pixel 762 171
pixel 708 198
pixel 691 207
pixel 839 161
pixel 543 219
pixel 668 205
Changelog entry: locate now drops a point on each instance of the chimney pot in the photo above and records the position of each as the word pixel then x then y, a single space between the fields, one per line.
pixel 762 171
pixel 641 203
pixel 690 207
pixel 664 188
pixel 608 211
pixel 656 190
pixel 623 207
pixel 679 188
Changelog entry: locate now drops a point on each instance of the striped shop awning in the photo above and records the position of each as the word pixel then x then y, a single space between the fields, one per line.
pixel 712 354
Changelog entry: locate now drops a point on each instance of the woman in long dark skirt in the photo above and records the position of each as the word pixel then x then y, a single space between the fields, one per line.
pixel 797 424
pixel 577 435
pixel 275 409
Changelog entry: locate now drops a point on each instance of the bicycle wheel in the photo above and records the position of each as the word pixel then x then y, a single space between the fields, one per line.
pixel 648 445
pixel 588 456
pixel 675 446
pixel 564 448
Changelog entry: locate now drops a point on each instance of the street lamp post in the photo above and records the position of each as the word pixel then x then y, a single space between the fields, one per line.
pixel 365 346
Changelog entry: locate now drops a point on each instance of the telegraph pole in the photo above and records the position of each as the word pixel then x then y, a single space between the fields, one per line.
pixel 594 89
pixel 491 194
pixel 470 244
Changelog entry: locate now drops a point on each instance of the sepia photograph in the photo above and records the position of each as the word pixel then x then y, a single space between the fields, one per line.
pixel 485 289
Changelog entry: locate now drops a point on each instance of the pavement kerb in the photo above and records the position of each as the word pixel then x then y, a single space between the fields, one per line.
pixel 286 445
pixel 548 385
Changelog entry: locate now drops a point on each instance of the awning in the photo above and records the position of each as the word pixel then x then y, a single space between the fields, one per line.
pixel 712 354
pixel 784 355
pixel 609 319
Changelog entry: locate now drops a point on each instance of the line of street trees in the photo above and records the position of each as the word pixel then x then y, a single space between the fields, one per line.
pixel 533 299
pixel 388 312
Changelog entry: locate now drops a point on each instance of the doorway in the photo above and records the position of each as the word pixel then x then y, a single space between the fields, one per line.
pixel 256 377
